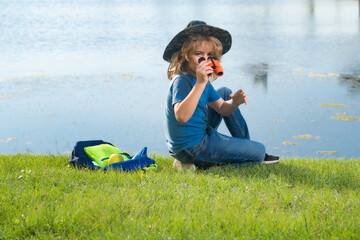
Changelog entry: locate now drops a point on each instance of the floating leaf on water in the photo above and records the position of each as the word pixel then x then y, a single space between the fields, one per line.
pixel 326 152
pixel 316 75
pixel 342 116
pixel 10 139
pixel 278 120
pixel 127 75
pixel 333 105
pixel 306 136
pixel 346 118
pixel 317 138
pixel 35 74
pixel 334 74
pixel 288 143
pixel 4 96
pixel 298 69
pixel 8 79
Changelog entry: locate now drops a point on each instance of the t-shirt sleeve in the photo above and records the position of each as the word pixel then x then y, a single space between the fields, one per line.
pixel 180 89
pixel 213 94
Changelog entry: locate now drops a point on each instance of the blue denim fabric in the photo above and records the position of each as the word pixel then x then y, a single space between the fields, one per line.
pixel 218 149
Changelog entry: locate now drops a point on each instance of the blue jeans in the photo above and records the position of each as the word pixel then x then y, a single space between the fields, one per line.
pixel 218 149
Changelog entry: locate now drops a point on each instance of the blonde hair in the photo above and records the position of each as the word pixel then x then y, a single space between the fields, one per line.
pixel 179 58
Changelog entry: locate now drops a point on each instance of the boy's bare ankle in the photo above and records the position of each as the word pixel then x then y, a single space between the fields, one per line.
pixel 183 166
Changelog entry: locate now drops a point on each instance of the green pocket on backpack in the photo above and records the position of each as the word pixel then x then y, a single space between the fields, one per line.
pixel 100 153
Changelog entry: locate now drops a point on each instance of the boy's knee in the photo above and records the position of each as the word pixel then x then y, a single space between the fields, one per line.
pixel 259 152
pixel 224 92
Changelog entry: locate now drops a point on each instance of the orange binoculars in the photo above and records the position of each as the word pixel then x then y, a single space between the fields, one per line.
pixel 215 64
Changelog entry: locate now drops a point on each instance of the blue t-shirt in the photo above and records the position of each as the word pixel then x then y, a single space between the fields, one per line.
pixel 180 136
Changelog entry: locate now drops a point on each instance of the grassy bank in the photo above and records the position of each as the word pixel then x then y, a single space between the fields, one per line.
pixel 42 198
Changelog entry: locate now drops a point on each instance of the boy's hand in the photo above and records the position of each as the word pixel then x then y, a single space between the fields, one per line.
pixel 202 72
pixel 239 97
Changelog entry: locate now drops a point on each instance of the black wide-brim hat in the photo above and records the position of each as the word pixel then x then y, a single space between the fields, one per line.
pixel 197 27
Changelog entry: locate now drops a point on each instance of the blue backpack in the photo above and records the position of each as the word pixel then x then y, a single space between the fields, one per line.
pixel 79 158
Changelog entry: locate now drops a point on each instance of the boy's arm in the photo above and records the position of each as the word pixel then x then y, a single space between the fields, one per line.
pixel 186 108
pixel 226 108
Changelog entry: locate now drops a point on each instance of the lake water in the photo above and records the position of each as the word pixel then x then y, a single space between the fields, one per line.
pixel 79 70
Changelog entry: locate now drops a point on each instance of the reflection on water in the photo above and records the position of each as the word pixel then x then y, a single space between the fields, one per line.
pixel 75 70
pixel 352 80
pixel 259 72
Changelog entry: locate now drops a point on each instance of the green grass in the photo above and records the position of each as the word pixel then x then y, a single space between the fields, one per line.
pixel 43 198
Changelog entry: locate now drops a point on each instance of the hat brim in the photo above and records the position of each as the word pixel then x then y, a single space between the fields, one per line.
pixel 207 30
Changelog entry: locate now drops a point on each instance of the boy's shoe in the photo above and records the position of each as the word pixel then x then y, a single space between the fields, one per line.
pixel 183 166
pixel 270 159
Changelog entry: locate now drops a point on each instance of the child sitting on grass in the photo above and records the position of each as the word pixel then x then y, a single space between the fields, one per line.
pixel 194 109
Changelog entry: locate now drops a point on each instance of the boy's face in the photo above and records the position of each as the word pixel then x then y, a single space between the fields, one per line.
pixel 204 49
